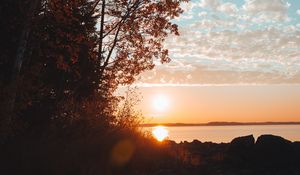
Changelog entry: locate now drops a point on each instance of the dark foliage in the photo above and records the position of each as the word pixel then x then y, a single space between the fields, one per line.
pixel 58 75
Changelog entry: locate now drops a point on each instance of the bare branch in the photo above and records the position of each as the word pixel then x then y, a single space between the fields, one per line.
pixel 130 10
pixel 94 7
pixel 123 18
pixel 110 51
pixel 101 30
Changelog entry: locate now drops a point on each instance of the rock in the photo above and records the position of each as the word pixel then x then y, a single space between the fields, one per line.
pixel 196 142
pixel 241 149
pixel 269 140
pixel 241 143
pixel 274 151
pixel 272 144
pixel 170 142
pixel 296 147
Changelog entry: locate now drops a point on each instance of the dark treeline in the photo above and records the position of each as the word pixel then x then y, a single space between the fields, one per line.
pixel 60 63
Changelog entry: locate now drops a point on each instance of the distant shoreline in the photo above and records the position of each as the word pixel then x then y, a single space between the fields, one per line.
pixel 219 124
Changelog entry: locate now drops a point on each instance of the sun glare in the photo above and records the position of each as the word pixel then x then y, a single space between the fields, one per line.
pixel 160 103
pixel 160 133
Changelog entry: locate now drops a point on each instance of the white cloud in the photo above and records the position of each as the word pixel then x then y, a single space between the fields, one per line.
pixel 236 49
pixel 189 76
pixel 298 12
pixel 289 29
pixel 217 5
pixel 213 4
pixel 188 11
pixel 204 24
pixel 228 8
pixel 267 10
pixel 256 6
pixel 268 55
pixel 187 7
pixel 201 14
pixel 185 17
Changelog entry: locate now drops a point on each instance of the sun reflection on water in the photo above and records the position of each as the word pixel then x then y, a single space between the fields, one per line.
pixel 160 133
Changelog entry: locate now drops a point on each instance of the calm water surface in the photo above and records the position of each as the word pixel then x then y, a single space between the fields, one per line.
pixel 220 134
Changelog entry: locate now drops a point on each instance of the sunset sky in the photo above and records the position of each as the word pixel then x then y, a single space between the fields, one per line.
pixel 234 61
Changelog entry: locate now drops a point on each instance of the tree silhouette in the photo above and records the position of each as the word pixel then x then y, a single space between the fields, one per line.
pixel 61 62
pixel 59 52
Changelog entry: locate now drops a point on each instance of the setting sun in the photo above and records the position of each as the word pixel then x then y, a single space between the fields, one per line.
pixel 161 103
pixel 160 133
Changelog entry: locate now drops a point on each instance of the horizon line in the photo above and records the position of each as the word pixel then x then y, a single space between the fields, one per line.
pixel 220 123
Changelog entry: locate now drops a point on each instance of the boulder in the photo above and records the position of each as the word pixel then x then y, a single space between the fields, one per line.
pixel 243 142
pixel 274 151
pixel 241 149
pixel 241 145
pixel 196 142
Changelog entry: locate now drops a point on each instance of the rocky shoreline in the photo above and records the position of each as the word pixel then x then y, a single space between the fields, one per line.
pixel 268 155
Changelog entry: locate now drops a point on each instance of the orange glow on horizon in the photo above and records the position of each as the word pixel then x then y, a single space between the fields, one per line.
pixel 227 104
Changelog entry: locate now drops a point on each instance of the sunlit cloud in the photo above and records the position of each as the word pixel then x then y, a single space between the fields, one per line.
pixel 213 4
pixel 222 42
pixel 228 8
pixel 267 10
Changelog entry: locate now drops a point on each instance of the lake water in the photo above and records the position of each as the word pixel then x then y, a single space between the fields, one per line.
pixel 220 134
